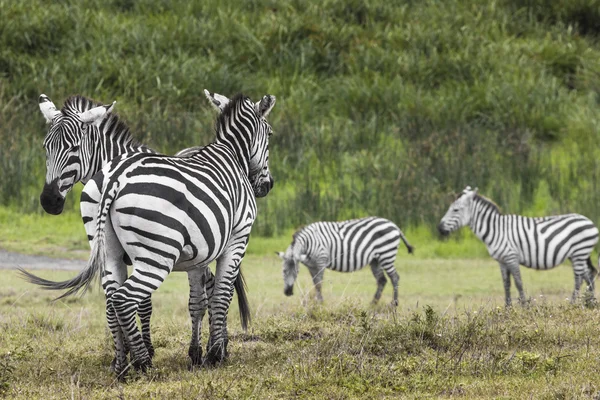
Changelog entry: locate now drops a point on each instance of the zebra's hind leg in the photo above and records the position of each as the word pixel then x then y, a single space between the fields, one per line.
pixel 125 301
pixel 145 313
pixel 583 270
pixel 198 304
pixel 590 279
pixel 228 266
pixel 380 278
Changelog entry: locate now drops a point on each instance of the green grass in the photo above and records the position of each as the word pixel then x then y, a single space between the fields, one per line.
pixel 384 108
pixel 450 337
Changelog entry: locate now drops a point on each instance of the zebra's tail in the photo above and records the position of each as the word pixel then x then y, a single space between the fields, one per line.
pixel 591 269
pixel 411 249
pixel 240 287
pixel 81 282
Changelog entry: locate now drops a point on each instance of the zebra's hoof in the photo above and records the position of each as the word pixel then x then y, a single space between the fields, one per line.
pixel 142 363
pixel 195 353
pixel 216 354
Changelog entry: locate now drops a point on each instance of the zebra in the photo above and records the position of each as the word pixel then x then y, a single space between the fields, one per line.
pixel 512 240
pixel 171 213
pixel 82 138
pixel 345 246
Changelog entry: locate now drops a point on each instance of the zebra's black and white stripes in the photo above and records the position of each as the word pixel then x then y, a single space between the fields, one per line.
pixel 345 246
pixel 82 138
pixel 170 213
pixel 513 240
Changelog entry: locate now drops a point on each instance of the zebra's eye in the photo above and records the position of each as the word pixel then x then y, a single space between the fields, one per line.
pixel 456 210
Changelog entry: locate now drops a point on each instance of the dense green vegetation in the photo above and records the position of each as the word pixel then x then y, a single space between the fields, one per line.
pixel 449 338
pixel 384 108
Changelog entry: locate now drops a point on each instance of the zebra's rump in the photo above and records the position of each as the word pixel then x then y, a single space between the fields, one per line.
pixel 186 209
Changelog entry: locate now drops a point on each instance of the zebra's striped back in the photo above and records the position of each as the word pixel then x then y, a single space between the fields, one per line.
pixel 348 246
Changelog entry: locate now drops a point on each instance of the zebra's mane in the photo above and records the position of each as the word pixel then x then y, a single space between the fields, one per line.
pixel 78 104
pixel 117 129
pixel 485 200
pixel 228 110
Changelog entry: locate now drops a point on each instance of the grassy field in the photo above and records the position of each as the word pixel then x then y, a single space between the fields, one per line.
pixel 450 337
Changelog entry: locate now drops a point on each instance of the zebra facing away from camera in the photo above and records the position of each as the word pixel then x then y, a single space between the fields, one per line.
pixel 513 240
pixel 170 213
pixel 82 138
pixel 345 246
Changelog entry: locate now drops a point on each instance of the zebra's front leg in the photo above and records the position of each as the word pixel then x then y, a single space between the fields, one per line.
pixel 506 281
pixel 228 266
pixel 317 277
pixel 198 304
pixel 381 281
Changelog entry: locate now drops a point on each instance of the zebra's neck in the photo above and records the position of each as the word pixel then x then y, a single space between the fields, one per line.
pixel 485 216
pixel 234 129
pixel 106 142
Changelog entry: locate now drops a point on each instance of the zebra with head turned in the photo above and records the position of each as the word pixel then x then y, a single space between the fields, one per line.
pixel 82 138
pixel 513 240
pixel 345 246
pixel 170 213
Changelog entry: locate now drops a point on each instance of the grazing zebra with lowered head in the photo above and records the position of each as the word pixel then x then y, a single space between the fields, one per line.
pixel 170 213
pixel 345 246
pixel 82 138
pixel 512 240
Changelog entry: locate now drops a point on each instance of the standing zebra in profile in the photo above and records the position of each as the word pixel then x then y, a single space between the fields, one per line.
pixel 82 138
pixel 345 246
pixel 540 243
pixel 170 213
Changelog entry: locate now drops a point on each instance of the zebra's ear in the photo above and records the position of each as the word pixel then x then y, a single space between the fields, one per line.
pixel 279 253
pixel 47 108
pixel 95 115
pixel 302 258
pixel 264 107
pixel 218 101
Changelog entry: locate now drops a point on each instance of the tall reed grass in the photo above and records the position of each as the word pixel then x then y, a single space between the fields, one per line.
pixel 384 108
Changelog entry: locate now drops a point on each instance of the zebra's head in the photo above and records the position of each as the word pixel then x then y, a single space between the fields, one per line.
pixel 63 144
pixel 459 213
pixel 290 269
pixel 239 117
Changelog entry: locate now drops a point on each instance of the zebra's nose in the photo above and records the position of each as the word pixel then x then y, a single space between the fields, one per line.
pixel 288 291
pixel 51 200
pixel 443 231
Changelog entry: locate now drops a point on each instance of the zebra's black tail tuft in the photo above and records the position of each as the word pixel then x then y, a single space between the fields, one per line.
pixel 243 305
pixel 410 248
pixel 80 283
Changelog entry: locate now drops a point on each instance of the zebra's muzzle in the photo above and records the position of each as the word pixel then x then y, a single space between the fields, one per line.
pixel 443 231
pixel 262 189
pixel 288 291
pixel 51 200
